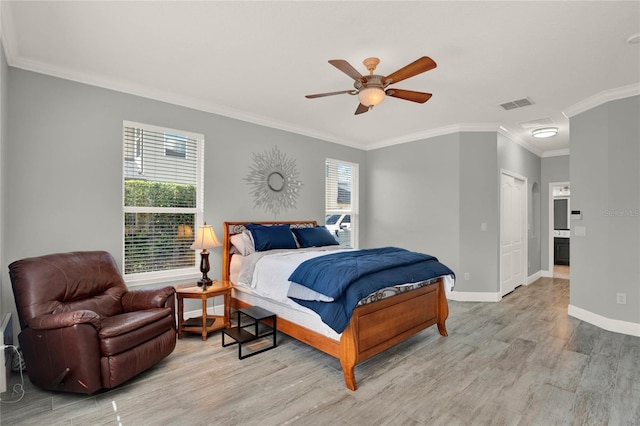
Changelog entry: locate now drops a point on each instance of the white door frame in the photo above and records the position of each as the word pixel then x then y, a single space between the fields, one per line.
pixel 551 248
pixel 525 206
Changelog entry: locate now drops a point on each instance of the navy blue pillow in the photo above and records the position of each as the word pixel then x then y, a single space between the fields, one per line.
pixel 314 237
pixel 271 237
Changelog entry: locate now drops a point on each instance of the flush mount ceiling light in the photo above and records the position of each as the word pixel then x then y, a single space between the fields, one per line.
pixel 545 132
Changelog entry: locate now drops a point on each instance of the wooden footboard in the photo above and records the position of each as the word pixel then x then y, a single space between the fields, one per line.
pixel 376 326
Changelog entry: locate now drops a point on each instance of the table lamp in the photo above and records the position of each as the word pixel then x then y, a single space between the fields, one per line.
pixel 205 239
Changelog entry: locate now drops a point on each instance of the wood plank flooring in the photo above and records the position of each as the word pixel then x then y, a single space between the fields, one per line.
pixel 522 361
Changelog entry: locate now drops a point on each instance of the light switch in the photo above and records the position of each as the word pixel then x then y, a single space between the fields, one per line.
pixel 483 226
pixel 579 231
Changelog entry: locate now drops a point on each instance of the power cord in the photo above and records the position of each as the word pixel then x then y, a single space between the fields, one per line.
pixel 18 388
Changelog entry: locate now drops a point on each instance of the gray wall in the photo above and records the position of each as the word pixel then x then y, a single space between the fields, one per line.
pixel 5 302
pixel 413 200
pixel 479 203
pixel 433 196
pixel 605 186
pixel 554 169
pixel 65 146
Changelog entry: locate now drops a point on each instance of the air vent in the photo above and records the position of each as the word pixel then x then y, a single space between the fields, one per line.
pixel 518 103
pixel 534 124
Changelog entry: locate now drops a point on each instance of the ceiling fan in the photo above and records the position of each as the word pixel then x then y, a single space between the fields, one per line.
pixel 372 89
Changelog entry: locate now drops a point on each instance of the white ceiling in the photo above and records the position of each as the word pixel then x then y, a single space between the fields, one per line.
pixel 256 60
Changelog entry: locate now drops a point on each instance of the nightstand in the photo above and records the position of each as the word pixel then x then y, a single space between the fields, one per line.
pixel 204 324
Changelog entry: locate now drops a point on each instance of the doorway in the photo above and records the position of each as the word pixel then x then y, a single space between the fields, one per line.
pixel 559 229
pixel 513 231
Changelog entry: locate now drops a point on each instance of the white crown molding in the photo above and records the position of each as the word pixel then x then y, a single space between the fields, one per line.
pixel 175 99
pixel 617 326
pixel 194 103
pixel 6 28
pixel 504 132
pixel 556 153
pixel 601 98
pixel 446 130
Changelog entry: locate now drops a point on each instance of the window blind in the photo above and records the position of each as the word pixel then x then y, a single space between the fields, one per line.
pixel 162 198
pixel 341 200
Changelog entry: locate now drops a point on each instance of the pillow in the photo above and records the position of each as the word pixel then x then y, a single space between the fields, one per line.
pixel 271 237
pixel 315 237
pixel 243 243
pixel 298 291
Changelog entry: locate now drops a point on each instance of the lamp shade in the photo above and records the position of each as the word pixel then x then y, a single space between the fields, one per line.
pixel 206 238
pixel 185 231
pixel 371 96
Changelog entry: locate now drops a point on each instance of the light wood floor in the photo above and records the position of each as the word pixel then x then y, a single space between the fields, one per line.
pixel 521 361
pixel 561 271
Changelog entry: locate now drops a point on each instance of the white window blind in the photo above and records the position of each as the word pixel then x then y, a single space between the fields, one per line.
pixel 341 200
pixel 162 177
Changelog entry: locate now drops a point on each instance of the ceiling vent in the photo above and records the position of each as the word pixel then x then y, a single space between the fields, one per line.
pixel 518 103
pixel 534 124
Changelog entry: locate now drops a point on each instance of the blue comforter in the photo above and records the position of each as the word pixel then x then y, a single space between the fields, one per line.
pixel 348 277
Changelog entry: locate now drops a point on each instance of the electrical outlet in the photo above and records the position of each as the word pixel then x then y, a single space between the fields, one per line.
pixel 466 276
pixel 621 298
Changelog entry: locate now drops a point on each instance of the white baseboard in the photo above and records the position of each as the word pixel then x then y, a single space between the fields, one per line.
pixel 468 296
pixel 617 326
pixel 547 274
pixel 534 277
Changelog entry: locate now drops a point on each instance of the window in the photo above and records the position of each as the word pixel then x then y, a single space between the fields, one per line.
pixel 163 197
pixel 175 146
pixel 341 200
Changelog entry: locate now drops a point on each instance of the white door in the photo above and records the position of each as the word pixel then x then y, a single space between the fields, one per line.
pixel 513 225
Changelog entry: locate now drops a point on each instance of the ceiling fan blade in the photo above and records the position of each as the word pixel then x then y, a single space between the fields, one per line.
pixel 346 68
pixel 320 95
pixel 414 68
pixel 409 95
pixel 361 109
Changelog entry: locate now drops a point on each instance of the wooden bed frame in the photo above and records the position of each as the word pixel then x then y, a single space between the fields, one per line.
pixel 374 327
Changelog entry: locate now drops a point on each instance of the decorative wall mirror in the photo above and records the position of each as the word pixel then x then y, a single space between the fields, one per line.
pixel 274 181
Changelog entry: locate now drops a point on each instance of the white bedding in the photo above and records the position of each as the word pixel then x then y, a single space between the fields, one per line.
pixel 270 277
pixel 262 278
pixel 289 310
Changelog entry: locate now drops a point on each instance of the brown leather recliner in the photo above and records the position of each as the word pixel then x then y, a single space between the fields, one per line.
pixel 82 330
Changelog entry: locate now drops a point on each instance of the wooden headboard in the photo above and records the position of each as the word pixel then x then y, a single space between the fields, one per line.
pixel 232 228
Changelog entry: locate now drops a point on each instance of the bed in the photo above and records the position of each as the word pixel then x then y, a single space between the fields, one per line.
pixel 373 327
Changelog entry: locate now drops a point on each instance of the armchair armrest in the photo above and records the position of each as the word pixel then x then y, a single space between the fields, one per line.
pixel 65 319
pixel 137 300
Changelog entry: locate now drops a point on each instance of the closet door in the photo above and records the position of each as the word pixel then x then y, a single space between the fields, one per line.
pixel 512 232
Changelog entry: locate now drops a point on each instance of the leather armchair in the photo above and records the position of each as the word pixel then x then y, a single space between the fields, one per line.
pixel 82 330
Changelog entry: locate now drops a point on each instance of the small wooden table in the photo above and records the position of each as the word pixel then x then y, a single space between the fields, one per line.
pixel 205 323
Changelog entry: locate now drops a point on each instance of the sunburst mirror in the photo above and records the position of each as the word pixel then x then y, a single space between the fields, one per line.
pixel 274 181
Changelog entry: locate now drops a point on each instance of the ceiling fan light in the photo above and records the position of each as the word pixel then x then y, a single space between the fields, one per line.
pixel 545 132
pixel 371 96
